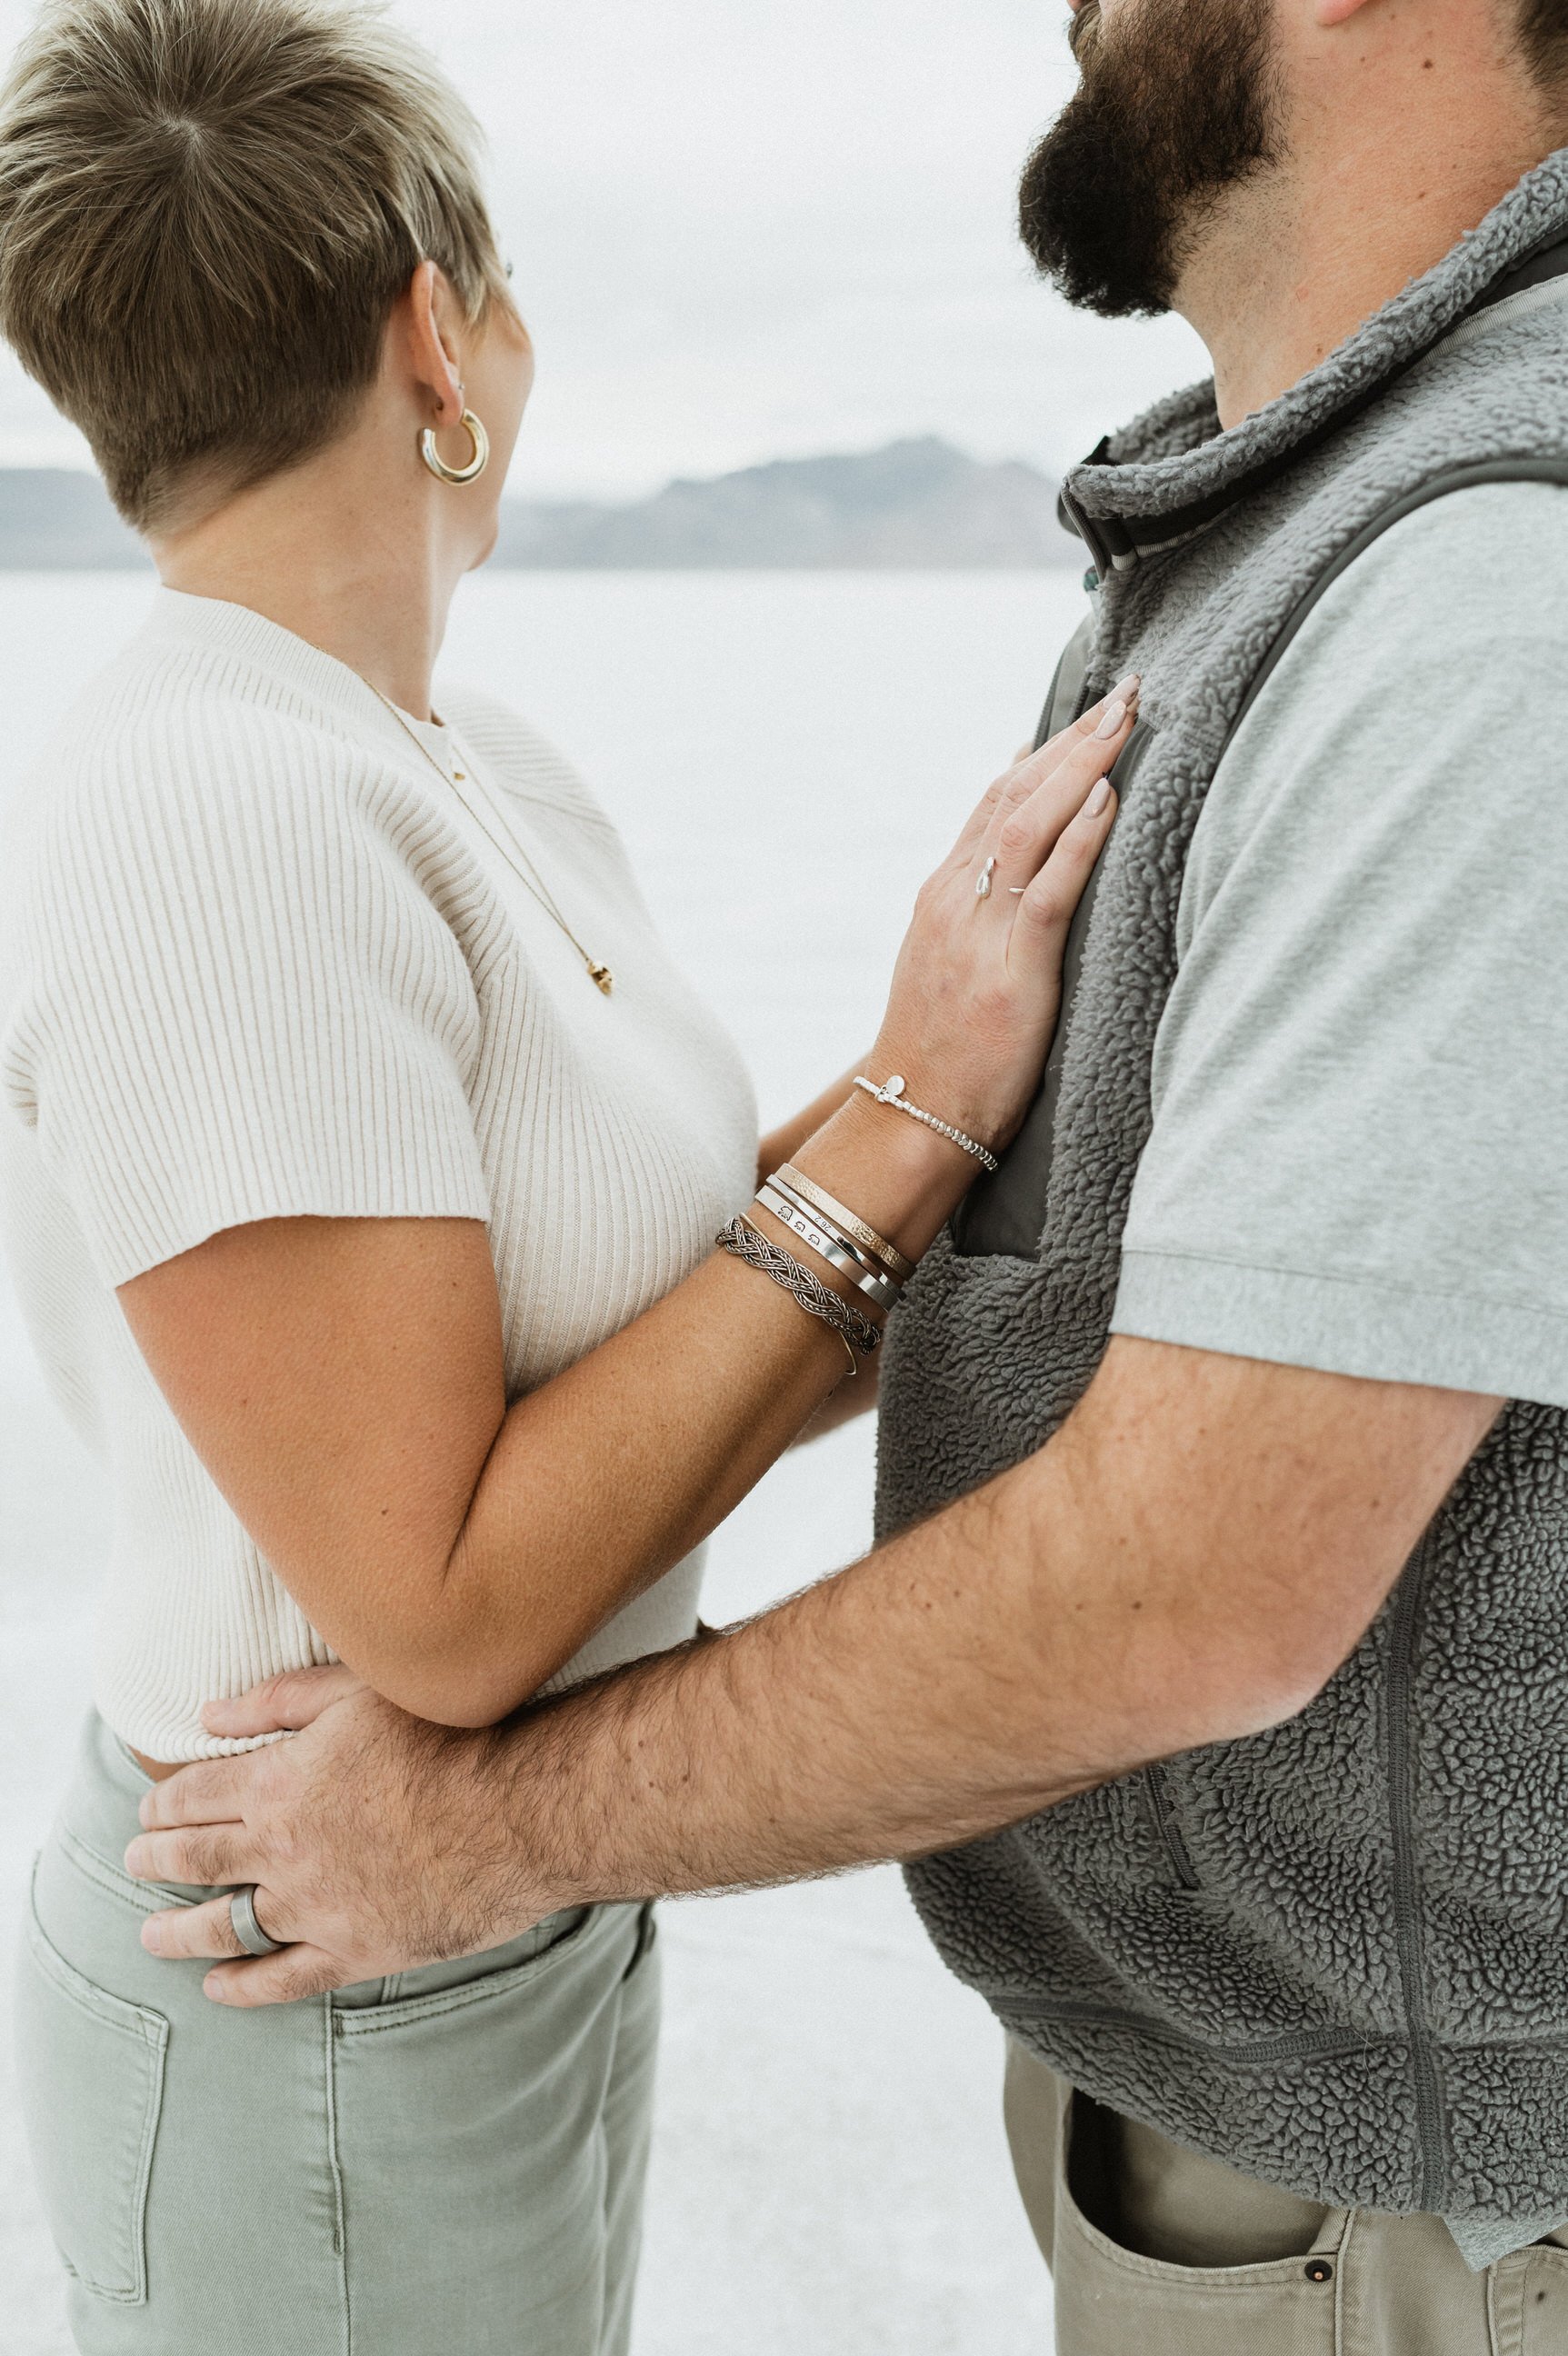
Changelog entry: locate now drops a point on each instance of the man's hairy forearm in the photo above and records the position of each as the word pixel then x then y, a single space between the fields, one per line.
pixel 1189 1559
pixel 960 1678
pixel 1062 1626
pixel 831 1732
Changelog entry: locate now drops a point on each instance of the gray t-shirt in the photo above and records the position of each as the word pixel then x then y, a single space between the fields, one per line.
pixel 1359 1154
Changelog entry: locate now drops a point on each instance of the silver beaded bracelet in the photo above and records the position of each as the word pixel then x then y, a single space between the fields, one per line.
pixel 747 1243
pixel 892 1093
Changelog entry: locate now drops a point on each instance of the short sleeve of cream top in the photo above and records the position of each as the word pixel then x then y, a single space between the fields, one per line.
pixel 262 959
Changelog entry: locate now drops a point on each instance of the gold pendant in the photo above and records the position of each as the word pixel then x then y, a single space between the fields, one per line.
pixel 603 978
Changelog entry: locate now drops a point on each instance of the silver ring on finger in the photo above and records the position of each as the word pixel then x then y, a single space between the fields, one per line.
pixel 247 1930
pixel 982 888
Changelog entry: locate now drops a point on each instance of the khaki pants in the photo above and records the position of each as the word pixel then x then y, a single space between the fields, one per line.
pixel 1156 2252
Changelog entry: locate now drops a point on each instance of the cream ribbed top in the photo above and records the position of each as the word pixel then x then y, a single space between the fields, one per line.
pixel 258 960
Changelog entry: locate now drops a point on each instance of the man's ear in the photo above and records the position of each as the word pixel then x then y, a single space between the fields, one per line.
pixel 1330 13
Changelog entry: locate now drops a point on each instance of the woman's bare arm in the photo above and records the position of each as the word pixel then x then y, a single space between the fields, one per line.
pixel 343 1382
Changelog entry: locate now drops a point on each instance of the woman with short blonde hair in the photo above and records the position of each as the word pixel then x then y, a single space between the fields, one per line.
pixel 362 1159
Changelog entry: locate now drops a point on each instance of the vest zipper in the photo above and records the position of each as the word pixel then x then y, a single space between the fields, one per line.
pixel 1168 1831
pixel 1408 1931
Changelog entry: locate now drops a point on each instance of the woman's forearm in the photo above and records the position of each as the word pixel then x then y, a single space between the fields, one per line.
pixel 342 1381
pixel 604 1478
pixel 846 1405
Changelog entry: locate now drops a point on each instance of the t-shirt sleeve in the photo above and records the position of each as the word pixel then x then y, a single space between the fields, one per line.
pixel 239 1000
pixel 1359 1160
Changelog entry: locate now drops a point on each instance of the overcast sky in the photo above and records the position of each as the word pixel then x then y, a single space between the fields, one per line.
pixel 742 232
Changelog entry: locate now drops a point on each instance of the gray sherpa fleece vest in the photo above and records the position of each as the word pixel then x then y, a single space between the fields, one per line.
pixel 1334 1955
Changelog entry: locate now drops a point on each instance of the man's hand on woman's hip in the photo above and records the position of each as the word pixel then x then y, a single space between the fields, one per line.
pixel 348 1833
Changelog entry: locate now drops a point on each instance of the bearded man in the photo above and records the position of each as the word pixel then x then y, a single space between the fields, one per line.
pixel 1214 1659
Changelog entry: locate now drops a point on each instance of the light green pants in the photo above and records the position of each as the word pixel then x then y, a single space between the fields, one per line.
pixel 1157 2252
pixel 450 2164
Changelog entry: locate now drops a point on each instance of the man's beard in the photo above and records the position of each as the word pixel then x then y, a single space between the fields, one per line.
pixel 1177 104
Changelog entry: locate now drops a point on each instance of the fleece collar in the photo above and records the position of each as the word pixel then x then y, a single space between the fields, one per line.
pixel 1173 471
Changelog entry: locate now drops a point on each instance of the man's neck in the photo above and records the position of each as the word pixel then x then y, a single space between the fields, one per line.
pixel 1296 260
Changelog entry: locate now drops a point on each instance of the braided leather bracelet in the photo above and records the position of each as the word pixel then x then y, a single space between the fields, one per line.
pixel 747 1243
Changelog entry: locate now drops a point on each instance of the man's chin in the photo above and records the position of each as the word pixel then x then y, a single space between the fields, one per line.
pixel 1087 230
pixel 1177 104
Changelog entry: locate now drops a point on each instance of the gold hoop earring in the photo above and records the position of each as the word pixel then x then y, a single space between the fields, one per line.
pixel 477 464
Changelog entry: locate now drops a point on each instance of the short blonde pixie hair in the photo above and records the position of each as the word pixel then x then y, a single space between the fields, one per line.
pixel 207 209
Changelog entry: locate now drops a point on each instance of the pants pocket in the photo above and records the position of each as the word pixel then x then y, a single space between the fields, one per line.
pixel 433 1990
pixel 90 2077
pixel 1113 2301
pixel 477 2130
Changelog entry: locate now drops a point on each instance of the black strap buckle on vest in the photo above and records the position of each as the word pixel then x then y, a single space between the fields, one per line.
pixel 1100 535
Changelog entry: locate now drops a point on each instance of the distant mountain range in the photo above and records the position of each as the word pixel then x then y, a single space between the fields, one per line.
pixel 915 506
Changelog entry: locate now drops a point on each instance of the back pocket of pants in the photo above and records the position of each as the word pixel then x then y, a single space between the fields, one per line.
pixel 89 2068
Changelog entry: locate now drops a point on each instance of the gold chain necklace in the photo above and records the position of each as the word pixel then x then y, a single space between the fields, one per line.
pixel 514 855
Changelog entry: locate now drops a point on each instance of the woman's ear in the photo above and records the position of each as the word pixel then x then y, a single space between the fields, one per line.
pixel 433 326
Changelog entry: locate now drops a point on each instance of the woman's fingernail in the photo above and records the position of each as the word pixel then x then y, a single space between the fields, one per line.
pixel 1128 691
pixel 1115 713
pixel 1098 798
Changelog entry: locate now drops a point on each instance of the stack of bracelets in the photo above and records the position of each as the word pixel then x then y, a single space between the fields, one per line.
pixel 876 1267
